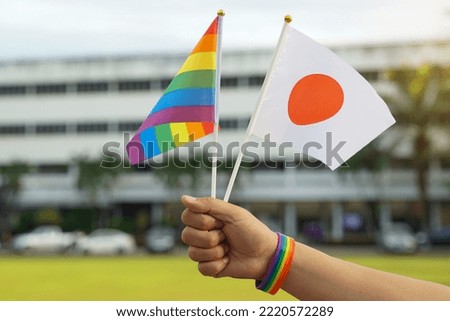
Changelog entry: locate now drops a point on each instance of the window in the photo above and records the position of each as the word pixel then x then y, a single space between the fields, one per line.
pixel 13 90
pixel 92 128
pixel 134 85
pixel 234 123
pixel 92 86
pixel 129 126
pixel 50 128
pixel 243 122
pixel 229 82
pixel 254 81
pixel 12 130
pixel 164 83
pixel 231 123
pixel 51 89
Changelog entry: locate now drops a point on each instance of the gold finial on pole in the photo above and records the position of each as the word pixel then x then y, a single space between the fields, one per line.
pixel 287 18
pixel 220 12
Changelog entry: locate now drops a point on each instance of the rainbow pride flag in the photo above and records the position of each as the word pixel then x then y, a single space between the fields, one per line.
pixel 186 110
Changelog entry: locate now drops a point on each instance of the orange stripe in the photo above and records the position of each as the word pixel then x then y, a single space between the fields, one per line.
pixel 207 43
pixel 195 131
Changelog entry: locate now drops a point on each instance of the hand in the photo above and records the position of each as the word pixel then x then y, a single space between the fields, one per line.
pixel 226 239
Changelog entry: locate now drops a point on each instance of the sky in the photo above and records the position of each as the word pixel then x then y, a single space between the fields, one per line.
pixel 69 28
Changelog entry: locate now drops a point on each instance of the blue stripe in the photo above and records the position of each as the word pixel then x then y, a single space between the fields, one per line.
pixel 149 142
pixel 185 97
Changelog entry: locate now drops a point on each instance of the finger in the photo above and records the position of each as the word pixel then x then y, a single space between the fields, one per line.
pixel 193 204
pixel 203 239
pixel 219 209
pixel 199 221
pixel 213 268
pixel 205 255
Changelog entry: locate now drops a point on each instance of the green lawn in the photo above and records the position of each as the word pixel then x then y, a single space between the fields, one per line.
pixel 161 278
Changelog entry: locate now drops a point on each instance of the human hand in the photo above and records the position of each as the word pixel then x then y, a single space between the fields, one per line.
pixel 226 239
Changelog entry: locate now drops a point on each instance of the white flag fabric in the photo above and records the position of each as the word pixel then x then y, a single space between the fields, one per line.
pixel 318 102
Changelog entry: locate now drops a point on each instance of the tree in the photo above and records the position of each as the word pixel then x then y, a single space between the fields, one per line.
pixel 11 176
pixel 177 174
pixel 421 101
pixel 93 178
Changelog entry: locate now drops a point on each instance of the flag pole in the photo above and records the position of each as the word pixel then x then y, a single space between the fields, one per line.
pixel 287 20
pixel 220 14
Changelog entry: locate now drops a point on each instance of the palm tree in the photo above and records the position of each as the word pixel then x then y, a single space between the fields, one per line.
pixel 421 101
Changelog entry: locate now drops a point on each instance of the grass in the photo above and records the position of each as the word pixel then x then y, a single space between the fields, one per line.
pixel 161 278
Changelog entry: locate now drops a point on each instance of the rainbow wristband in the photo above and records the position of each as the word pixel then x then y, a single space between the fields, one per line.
pixel 279 265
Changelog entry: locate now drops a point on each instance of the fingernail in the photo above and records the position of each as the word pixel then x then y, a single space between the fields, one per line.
pixel 189 198
pixel 226 259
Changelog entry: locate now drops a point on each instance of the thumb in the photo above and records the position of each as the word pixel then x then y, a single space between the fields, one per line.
pixel 194 204
pixel 218 209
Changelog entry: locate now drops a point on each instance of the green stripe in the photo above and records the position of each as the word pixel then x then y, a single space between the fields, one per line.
pixel 193 79
pixel 164 137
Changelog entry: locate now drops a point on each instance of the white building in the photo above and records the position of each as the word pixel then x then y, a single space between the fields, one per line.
pixel 56 110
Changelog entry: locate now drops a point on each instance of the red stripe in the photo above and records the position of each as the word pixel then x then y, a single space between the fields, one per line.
pixel 208 127
pixel 213 27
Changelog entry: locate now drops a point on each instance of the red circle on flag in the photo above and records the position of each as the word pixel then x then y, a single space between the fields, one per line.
pixel 314 98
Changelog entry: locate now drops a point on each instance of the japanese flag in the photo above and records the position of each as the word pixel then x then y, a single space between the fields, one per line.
pixel 319 103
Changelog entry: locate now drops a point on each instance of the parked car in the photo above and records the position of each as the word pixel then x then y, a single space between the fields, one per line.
pixel 160 239
pixel 47 238
pixel 440 236
pixel 106 241
pixel 397 238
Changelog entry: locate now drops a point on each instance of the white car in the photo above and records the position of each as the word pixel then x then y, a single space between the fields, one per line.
pixel 46 238
pixel 106 241
pixel 398 238
pixel 160 239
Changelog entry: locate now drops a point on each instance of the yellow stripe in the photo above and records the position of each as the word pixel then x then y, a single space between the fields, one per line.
pixel 199 61
pixel 180 133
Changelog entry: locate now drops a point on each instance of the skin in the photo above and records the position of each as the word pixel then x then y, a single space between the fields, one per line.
pixel 227 240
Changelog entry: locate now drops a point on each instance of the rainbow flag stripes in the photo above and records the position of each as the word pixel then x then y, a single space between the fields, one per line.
pixel 279 265
pixel 186 110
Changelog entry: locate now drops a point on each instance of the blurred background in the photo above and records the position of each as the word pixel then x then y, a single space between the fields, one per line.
pixel 75 75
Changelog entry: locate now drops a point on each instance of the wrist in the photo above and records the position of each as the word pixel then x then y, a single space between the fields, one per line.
pixel 269 253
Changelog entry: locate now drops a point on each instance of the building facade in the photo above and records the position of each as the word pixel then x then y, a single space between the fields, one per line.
pixel 55 111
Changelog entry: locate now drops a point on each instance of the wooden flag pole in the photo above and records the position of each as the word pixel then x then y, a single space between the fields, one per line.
pixel 287 20
pixel 220 15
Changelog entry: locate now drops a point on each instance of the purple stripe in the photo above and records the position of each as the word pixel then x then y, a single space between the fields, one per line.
pixel 262 284
pixel 135 150
pixel 179 114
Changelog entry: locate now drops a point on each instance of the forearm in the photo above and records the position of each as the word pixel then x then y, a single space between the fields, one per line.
pixel 317 276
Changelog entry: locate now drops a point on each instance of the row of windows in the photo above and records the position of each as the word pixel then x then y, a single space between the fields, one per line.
pixel 100 127
pixel 125 85
pixel 134 85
